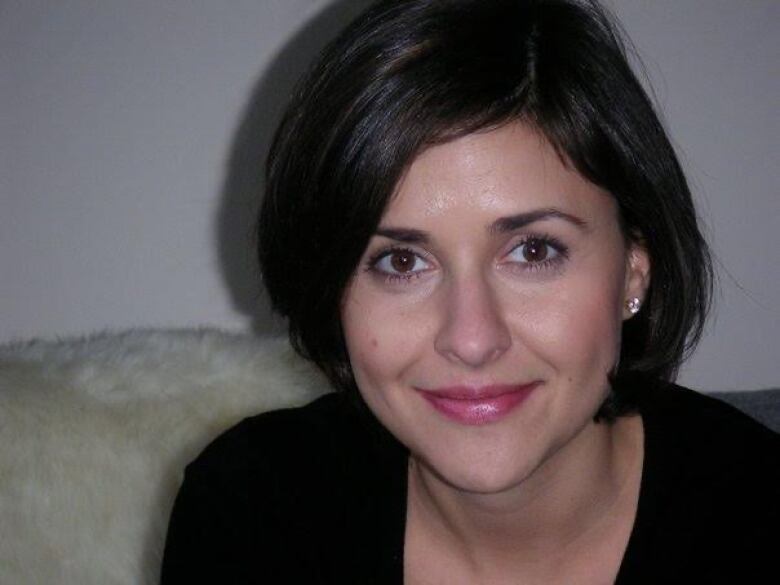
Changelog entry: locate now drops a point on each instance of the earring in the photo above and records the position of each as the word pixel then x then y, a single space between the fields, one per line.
pixel 633 305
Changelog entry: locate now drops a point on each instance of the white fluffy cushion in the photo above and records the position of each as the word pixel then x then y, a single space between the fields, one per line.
pixel 95 433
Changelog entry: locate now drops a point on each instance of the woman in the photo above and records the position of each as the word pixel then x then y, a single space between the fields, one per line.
pixel 477 228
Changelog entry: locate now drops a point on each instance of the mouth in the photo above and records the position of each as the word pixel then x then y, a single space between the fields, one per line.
pixel 478 405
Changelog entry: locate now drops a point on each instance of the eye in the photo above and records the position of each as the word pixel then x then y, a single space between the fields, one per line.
pixel 399 263
pixel 536 252
pixel 533 250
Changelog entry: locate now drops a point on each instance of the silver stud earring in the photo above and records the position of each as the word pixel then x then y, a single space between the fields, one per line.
pixel 633 305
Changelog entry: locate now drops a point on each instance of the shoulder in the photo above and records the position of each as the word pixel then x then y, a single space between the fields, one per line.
pixel 270 496
pixel 275 435
pixel 710 484
pixel 314 452
pixel 328 449
pixel 289 443
pixel 694 422
pixel 708 442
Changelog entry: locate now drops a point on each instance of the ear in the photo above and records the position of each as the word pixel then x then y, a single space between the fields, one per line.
pixel 637 276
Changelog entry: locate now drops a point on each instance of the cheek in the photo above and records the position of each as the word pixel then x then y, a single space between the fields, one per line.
pixel 362 342
pixel 363 348
pixel 382 336
pixel 593 337
pixel 575 327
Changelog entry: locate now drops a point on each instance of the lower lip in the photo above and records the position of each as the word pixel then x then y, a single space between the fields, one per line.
pixel 479 411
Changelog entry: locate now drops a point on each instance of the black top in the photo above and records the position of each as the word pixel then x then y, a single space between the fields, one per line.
pixel 317 495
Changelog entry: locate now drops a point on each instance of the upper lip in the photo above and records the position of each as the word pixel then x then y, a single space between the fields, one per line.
pixel 475 392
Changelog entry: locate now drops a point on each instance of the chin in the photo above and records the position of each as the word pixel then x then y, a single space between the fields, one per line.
pixel 480 475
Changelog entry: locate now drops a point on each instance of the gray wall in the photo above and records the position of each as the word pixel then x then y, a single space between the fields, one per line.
pixel 130 132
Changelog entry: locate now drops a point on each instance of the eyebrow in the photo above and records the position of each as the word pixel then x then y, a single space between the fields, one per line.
pixel 514 222
pixel 405 235
pixel 501 225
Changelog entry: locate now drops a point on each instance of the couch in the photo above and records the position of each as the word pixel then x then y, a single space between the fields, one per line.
pixel 96 431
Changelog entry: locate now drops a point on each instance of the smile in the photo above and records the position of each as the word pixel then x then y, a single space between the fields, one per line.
pixel 478 405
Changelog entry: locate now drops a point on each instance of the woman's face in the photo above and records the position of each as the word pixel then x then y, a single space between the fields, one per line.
pixel 486 311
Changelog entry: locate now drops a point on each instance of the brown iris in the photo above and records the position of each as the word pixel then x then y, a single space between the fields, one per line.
pixel 402 261
pixel 535 250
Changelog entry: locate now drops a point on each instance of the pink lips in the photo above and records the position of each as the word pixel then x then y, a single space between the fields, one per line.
pixel 480 405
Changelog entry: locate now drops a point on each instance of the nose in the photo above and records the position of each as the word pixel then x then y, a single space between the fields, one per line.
pixel 473 330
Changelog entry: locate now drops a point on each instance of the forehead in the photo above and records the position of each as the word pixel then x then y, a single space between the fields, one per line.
pixel 505 171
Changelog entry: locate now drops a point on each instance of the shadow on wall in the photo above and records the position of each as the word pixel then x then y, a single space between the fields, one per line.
pixel 244 184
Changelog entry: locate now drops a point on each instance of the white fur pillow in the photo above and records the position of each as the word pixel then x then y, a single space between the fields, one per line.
pixel 95 433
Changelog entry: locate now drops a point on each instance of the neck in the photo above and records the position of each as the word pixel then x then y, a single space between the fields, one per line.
pixel 562 503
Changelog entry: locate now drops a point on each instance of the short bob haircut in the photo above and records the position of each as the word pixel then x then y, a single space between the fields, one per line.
pixel 409 74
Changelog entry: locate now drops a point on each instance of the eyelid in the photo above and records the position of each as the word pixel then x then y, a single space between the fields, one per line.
pixel 561 249
pixel 553 263
pixel 382 253
pixel 391 248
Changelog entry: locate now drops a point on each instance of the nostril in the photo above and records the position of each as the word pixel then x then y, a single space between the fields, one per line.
pixel 473 327
pixel 473 346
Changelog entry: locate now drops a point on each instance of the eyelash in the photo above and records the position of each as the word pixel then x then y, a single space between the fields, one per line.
pixel 390 276
pixel 562 254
